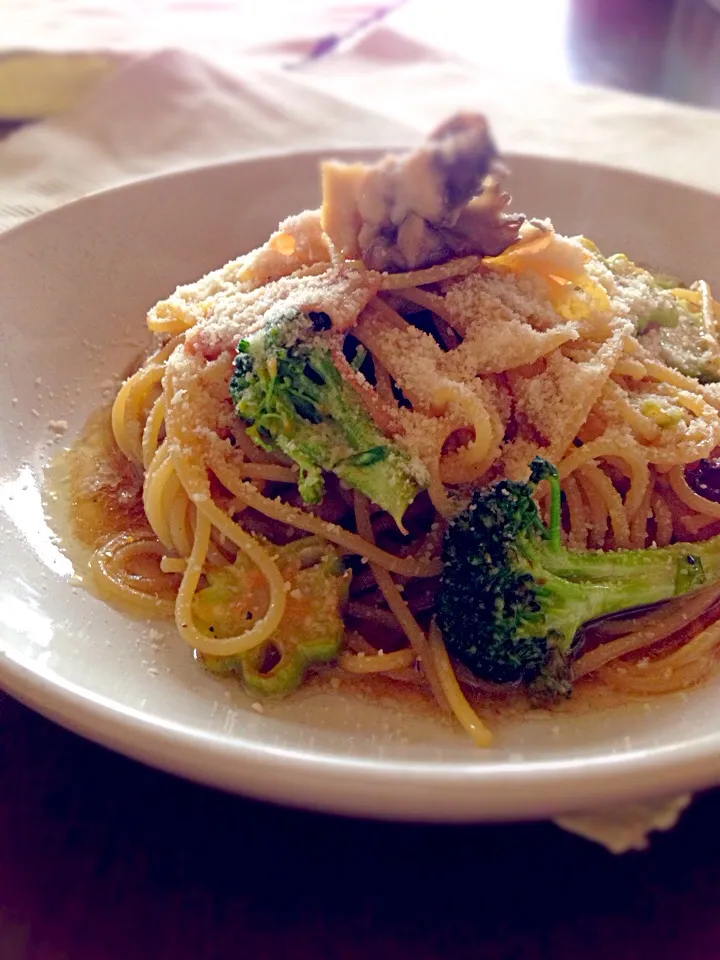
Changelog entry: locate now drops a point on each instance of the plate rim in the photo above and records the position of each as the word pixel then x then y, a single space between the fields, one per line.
pixel 408 791
pixel 399 790
pixel 349 150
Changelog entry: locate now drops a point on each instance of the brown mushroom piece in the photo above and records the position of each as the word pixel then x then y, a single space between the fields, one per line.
pixel 444 199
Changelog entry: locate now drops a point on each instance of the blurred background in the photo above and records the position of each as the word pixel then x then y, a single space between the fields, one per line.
pixel 53 51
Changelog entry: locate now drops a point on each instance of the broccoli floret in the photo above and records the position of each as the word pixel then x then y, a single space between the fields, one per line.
pixel 293 399
pixel 513 600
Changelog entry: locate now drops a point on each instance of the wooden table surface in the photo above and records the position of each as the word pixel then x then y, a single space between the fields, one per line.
pixel 103 859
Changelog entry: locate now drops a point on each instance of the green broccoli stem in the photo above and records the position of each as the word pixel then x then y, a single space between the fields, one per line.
pixel 339 402
pixel 293 399
pixel 673 569
pixel 580 586
pixel 569 604
pixel 375 467
pixel 555 518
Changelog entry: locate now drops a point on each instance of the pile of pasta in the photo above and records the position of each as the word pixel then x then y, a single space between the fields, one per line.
pixel 477 365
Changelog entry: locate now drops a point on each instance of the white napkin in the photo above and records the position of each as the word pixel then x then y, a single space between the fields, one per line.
pixel 52 52
pixel 172 110
pixel 627 827
pixel 167 111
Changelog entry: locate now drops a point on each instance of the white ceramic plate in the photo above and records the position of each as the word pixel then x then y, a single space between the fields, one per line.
pixel 74 288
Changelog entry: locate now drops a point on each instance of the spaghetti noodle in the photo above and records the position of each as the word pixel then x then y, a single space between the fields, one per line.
pixel 470 364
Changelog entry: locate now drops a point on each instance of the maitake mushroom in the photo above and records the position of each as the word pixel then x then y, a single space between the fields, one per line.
pixel 439 201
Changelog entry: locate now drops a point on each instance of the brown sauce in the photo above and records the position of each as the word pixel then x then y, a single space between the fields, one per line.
pixel 589 696
pixel 92 492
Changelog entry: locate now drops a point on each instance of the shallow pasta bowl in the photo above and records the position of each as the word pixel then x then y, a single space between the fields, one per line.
pixel 74 288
